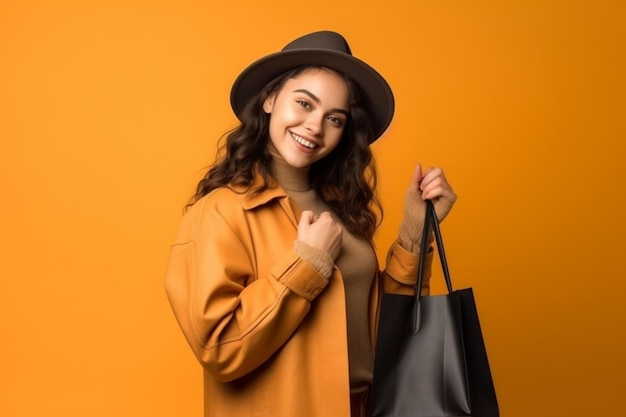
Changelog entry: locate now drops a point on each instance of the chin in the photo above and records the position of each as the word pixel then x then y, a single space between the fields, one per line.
pixel 299 164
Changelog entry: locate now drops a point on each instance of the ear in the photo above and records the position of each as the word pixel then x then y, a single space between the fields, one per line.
pixel 268 104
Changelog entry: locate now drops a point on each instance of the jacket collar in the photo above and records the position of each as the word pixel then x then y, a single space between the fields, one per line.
pixel 251 200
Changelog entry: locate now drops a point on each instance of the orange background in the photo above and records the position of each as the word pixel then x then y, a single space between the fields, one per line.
pixel 110 110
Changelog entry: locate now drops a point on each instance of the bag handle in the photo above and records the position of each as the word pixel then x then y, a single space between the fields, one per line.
pixel 430 219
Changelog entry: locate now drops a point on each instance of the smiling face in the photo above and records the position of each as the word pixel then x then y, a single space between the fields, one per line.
pixel 308 116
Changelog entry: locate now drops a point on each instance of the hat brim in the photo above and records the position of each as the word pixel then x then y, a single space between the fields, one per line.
pixel 378 94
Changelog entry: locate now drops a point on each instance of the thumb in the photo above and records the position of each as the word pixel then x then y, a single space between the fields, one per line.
pixel 417 178
pixel 306 219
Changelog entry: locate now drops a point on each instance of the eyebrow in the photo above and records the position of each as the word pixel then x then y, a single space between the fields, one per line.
pixel 318 101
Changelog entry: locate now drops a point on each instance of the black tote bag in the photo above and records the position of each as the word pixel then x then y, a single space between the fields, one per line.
pixel 430 354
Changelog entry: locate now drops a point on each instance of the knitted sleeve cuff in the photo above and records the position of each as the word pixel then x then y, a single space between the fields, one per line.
pixel 321 261
pixel 412 226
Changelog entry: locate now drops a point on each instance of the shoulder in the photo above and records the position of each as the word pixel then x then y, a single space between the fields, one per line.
pixel 237 196
pixel 219 199
pixel 219 207
pixel 227 205
pixel 221 202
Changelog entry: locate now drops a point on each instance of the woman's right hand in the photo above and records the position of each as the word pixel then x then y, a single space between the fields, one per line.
pixel 322 232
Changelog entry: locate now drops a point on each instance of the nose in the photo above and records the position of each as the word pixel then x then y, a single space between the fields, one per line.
pixel 315 124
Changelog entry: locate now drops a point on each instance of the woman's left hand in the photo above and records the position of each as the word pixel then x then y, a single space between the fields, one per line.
pixel 432 185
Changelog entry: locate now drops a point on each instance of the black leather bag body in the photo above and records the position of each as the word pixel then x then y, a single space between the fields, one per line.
pixel 430 358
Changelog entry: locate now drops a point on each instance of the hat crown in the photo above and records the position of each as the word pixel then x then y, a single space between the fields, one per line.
pixel 318 49
pixel 324 40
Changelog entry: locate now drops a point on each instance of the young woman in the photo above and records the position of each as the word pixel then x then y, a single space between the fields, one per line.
pixel 273 277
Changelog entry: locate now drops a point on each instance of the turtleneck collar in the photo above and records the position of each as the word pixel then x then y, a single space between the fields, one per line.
pixel 290 178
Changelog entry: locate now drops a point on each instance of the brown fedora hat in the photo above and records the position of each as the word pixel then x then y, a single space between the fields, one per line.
pixel 325 48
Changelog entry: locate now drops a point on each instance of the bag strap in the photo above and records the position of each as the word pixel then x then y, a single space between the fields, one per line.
pixel 430 220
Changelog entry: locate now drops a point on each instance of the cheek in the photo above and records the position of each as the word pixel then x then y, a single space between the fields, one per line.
pixel 337 137
pixel 287 115
pixel 281 119
pixel 333 142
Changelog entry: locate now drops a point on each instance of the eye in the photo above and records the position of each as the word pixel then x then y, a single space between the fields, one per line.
pixel 335 120
pixel 304 104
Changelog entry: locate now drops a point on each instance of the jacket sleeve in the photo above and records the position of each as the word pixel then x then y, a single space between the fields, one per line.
pixel 233 319
pixel 400 274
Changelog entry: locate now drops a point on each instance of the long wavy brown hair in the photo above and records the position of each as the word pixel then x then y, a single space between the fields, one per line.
pixel 345 179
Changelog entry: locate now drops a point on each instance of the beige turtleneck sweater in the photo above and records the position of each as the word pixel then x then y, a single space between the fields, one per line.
pixel 356 261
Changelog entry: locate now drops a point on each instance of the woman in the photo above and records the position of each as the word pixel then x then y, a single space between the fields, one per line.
pixel 273 277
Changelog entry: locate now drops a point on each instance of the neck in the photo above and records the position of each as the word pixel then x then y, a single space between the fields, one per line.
pixel 290 178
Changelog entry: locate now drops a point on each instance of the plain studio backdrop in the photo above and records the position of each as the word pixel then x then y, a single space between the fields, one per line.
pixel 110 111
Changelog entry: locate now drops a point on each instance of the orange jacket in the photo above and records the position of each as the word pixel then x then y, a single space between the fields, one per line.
pixel 269 331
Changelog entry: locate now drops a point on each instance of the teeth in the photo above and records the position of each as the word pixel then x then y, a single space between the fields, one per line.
pixel 304 142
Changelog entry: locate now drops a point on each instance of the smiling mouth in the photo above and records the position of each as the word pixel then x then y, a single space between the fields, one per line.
pixel 303 142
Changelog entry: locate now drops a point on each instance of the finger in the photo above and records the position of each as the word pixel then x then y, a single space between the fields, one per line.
pixel 325 214
pixel 306 219
pixel 434 188
pixel 439 191
pixel 430 175
pixel 434 192
pixel 417 178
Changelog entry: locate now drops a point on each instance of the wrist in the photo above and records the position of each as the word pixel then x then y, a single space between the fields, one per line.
pixel 319 259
